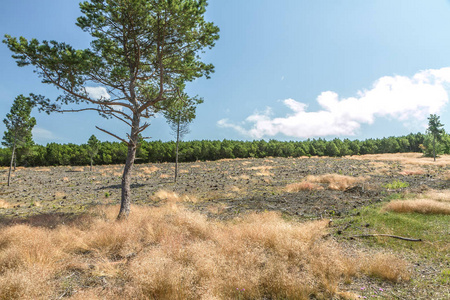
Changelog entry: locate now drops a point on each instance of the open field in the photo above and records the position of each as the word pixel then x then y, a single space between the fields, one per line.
pixel 259 225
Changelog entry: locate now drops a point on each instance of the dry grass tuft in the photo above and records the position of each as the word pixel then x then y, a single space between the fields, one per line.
pixel 302 186
pixel 4 204
pixel 388 267
pixel 173 197
pixel 42 169
pixel 148 170
pixel 442 195
pixel 77 169
pixel 333 182
pixel 447 175
pixel 409 172
pixel 171 253
pixel 423 206
pixel 165 176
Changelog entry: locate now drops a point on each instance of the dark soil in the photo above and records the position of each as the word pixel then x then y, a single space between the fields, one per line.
pixel 223 188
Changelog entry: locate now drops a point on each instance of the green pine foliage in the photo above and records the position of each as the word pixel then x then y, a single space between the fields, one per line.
pixel 54 154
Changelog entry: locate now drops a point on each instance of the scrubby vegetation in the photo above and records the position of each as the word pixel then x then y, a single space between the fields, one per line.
pixel 171 253
pixel 54 154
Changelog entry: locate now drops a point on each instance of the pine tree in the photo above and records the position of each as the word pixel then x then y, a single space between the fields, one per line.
pixel 435 128
pixel 142 53
pixel 19 124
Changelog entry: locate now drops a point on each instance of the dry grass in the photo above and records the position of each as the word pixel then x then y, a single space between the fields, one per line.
pixel 171 253
pixel 164 176
pixel 77 169
pixel 388 267
pixel 405 158
pixel 4 204
pixel 446 175
pixel 148 170
pixel 432 202
pixel 302 186
pixel 172 197
pixel 442 195
pixel 42 169
pixel 332 181
pixel 412 171
pixel 422 206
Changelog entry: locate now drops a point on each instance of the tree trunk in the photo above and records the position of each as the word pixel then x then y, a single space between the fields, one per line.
pixel 126 177
pixel 176 153
pixel 90 168
pixel 434 148
pixel 11 165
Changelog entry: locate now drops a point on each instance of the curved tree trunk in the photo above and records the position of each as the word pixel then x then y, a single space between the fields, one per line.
pixel 126 177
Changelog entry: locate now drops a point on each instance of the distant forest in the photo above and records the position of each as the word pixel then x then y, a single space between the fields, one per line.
pixel 54 154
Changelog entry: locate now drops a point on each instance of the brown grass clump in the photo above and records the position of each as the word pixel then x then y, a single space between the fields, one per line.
pixel 43 169
pixel 148 170
pixel 77 169
pixel 447 175
pixel 333 182
pixel 164 176
pixel 302 186
pixel 409 172
pixel 423 206
pixel 442 195
pixel 172 253
pixel 173 197
pixel 4 204
pixel 388 267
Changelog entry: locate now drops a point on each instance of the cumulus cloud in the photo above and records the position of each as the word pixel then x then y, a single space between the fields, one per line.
pixel 407 99
pixel 97 93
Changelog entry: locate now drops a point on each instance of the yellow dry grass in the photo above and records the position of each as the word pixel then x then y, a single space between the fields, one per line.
pixel 148 170
pixel 334 181
pixel 42 169
pixel 172 253
pixel 77 169
pixel 405 158
pixel 432 202
pixel 163 176
pixel 423 206
pixel 302 186
pixel 4 204
pixel 173 197
pixel 388 267
pixel 412 171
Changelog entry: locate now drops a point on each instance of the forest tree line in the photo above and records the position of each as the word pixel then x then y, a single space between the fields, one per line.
pixel 54 154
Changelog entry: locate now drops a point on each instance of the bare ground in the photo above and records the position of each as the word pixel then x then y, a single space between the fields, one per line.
pixel 228 188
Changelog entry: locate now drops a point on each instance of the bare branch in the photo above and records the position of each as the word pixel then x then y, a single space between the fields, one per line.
pixel 112 134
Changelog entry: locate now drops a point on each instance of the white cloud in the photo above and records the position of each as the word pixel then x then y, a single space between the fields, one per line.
pixel 397 97
pixel 43 134
pixel 97 92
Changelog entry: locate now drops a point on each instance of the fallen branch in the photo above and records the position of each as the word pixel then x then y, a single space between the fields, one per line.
pixel 388 235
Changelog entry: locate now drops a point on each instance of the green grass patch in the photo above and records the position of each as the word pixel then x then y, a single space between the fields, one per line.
pixel 396 184
pixel 431 229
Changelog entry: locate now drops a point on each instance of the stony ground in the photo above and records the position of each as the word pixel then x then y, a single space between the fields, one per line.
pixel 221 189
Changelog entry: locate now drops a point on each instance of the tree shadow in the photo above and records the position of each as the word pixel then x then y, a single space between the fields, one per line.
pixel 119 186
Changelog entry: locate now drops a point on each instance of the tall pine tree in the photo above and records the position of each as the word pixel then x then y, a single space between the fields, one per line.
pixel 19 124
pixel 143 52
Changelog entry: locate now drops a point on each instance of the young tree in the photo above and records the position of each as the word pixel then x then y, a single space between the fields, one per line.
pixel 92 148
pixel 19 124
pixel 143 52
pixel 435 128
pixel 179 114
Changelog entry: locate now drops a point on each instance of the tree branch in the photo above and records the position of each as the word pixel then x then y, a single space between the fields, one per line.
pixel 388 235
pixel 112 134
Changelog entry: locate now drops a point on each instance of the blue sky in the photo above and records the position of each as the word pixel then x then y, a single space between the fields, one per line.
pixel 287 70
